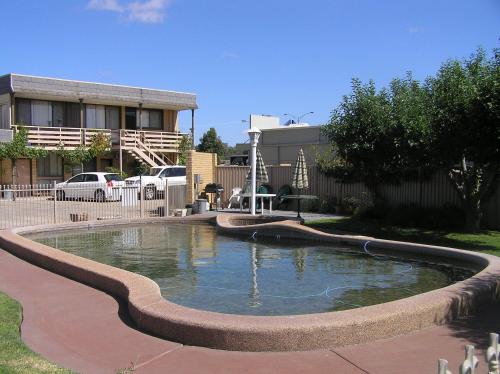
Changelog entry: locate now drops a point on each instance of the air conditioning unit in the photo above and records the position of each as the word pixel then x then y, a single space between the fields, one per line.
pixel 6 135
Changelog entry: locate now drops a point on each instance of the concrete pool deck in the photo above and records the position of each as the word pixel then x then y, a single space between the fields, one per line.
pixel 88 330
pixel 81 328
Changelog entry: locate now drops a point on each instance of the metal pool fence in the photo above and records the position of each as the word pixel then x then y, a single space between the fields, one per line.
pixel 45 204
pixel 471 362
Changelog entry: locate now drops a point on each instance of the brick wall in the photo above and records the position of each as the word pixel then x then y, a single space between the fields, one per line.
pixel 5 172
pixel 25 175
pixel 199 163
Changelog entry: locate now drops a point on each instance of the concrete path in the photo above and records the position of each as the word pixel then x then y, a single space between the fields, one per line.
pixel 88 331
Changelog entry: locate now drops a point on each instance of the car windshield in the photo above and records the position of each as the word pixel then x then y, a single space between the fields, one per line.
pixel 112 177
pixel 154 171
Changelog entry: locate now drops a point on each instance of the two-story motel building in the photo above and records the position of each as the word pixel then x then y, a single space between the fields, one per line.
pixel 142 123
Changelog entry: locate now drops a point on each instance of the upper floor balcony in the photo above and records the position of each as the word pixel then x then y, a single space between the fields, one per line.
pixel 52 138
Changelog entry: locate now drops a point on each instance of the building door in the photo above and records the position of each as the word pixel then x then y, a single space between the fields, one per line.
pixel 23 171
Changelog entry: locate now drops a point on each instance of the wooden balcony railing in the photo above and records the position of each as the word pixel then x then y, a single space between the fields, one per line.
pixel 51 138
pixel 156 141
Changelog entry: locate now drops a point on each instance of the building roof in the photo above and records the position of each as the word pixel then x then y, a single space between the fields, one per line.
pixel 96 93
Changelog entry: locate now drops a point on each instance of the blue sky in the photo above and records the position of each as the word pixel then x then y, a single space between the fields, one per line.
pixel 242 57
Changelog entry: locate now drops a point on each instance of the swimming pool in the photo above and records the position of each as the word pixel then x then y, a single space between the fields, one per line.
pixel 198 268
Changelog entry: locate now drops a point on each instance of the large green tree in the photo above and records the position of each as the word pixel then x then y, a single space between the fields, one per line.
pixel 452 122
pixel 465 128
pixel 362 134
pixel 212 143
pixel 19 148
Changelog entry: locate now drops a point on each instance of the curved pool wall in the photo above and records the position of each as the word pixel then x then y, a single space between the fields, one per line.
pixel 152 313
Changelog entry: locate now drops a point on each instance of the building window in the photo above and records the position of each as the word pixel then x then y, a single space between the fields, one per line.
pixel 112 117
pixel 41 113
pixel 155 119
pixel 131 118
pixel 58 114
pixel 47 113
pixel 151 119
pixel 4 116
pixel 23 112
pixel 50 166
pixel 71 115
pixel 95 116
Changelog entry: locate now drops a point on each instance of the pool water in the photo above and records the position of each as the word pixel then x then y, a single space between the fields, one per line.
pixel 196 267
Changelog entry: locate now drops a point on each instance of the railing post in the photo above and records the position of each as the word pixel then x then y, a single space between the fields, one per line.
pixel 55 201
pixel 141 205
pixel 492 355
pixel 470 363
pixel 165 197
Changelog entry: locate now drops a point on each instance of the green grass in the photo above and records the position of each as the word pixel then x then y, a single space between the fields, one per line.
pixel 486 241
pixel 15 356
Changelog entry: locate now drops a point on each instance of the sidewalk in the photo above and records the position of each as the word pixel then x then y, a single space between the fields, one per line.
pixel 88 331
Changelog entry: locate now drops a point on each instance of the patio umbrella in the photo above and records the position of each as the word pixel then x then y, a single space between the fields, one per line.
pixel 261 171
pixel 300 180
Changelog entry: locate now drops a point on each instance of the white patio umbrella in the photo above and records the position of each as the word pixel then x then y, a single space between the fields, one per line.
pixel 260 172
pixel 300 180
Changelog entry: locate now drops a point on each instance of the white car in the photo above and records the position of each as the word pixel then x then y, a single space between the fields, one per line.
pixel 154 182
pixel 98 186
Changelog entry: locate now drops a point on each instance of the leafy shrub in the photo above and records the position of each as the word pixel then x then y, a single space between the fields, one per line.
pixel 355 205
pixel 112 169
pixel 329 205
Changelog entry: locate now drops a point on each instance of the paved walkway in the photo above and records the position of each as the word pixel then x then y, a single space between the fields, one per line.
pixel 86 330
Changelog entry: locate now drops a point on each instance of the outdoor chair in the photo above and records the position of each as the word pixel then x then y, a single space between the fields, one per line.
pixel 264 188
pixel 235 197
pixel 280 200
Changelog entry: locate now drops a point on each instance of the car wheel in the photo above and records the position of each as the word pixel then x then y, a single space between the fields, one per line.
pixel 100 196
pixel 149 193
pixel 60 196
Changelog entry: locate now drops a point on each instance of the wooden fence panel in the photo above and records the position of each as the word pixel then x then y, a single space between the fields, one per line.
pixel 435 192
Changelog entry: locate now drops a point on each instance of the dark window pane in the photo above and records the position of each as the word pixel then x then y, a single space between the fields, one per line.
pixel 58 114
pixel 90 165
pixel 23 111
pixel 130 118
pixel 112 118
pixel 50 166
pixel 180 172
pixel 91 178
pixel 112 177
pixel 72 115
pixel 155 119
pixel 41 113
pixel 166 173
pixel 77 178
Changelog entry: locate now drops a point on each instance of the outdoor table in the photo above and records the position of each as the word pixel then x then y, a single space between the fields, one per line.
pixel 257 195
pixel 298 198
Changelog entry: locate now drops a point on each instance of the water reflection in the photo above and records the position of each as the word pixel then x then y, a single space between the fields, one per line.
pixel 197 268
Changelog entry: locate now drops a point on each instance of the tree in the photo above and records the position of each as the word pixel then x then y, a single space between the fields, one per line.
pixel 361 132
pixel 99 145
pixel 212 143
pixel 465 128
pixel 452 123
pixel 19 148
pixel 184 147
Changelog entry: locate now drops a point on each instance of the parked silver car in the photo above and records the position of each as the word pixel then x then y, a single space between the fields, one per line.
pixel 98 186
